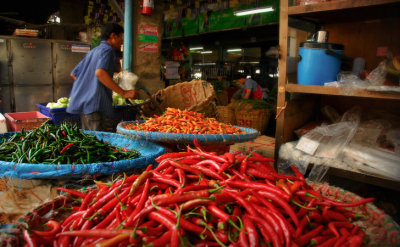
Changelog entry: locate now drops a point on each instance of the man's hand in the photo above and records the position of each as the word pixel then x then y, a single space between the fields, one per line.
pixel 130 94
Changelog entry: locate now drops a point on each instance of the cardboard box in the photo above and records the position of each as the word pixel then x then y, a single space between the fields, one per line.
pixel 263 145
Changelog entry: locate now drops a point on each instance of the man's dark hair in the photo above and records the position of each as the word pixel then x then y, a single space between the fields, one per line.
pixel 110 28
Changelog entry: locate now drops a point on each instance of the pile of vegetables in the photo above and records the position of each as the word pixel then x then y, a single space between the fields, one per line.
pixel 186 122
pixel 119 100
pixel 61 103
pixel 60 144
pixel 198 198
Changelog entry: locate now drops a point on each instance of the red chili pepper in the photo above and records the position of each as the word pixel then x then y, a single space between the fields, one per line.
pixel 281 184
pixel 195 202
pixel 271 221
pixel 212 163
pixel 243 167
pixel 218 212
pixel 319 240
pixel 140 204
pixel 55 228
pixel 251 231
pixel 86 200
pixel 315 216
pixel 297 173
pixel 288 209
pixel 336 216
pixel 29 240
pixel 303 223
pixel 332 227
pixel 185 167
pixel 258 186
pixel 209 172
pixel 210 156
pixel 306 238
pixel 112 241
pixel 166 199
pixel 249 208
pixel 345 204
pixel 192 188
pixel 243 241
pixel 271 234
pixel 67 147
pixel 73 192
pixel 328 243
pixel 161 241
pixel 295 186
pixel 185 224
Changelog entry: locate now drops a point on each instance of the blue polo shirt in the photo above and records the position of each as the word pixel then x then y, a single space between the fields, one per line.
pixel 88 94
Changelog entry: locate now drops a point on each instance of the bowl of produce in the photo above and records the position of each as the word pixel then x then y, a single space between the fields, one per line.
pixel 64 151
pixel 184 126
pixel 198 198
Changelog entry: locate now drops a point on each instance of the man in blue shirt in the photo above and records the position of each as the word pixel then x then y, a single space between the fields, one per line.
pixel 91 94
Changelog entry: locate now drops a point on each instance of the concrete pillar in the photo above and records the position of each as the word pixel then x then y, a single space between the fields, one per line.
pixel 147 64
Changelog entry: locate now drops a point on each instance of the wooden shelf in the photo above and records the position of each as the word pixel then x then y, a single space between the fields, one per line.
pixel 339 91
pixel 336 6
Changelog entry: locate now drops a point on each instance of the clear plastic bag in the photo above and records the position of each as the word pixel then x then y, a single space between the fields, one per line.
pixel 126 80
pixel 378 75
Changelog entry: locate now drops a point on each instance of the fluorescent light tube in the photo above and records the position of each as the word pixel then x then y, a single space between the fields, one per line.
pixel 196 48
pixel 234 50
pixel 206 52
pixel 254 11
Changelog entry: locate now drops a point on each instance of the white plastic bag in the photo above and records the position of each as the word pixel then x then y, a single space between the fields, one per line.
pixel 126 80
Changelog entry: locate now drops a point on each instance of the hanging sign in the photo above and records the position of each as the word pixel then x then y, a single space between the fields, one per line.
pixel 150 47
pixel 147 29
pixel 147 33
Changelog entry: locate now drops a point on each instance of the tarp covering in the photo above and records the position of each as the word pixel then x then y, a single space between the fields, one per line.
pixel 188 138
pixel 148 152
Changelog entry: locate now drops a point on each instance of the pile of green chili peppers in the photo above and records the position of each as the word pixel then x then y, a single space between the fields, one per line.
pixel 60 144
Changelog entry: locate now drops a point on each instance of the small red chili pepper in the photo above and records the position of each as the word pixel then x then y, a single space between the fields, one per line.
pixel 29 240
pixel 73 192
pixel 306 238
pixel 251 231
pixel 67 147
pixel 55 228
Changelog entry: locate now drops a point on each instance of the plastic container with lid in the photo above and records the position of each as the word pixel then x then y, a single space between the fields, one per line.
pixel 318 62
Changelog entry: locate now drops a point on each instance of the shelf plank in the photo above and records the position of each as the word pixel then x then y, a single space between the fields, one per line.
pixel 335 5
pixel 339 91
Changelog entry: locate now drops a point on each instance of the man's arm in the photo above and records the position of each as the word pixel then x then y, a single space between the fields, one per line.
pixel 73 76
pixel 248 93
pixel 107 81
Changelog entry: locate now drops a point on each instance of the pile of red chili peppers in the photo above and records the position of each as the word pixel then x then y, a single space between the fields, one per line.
pixel 185 122
pixel 198 198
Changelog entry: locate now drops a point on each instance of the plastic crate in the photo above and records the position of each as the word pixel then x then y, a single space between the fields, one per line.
pixel 17 121
pixel 124 113
pixel 59 115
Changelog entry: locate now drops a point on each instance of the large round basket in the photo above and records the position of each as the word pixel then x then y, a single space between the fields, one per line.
pixel 148 152
pixel 207 139
pixel 380 227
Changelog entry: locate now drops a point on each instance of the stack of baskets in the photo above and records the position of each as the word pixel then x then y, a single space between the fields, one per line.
pixel 243 114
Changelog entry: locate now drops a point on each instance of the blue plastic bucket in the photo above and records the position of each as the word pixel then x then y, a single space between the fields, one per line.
pixel 319 63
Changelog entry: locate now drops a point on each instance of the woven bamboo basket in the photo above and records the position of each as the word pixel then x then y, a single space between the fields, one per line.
pixel 255 119
pixel 226 114
pixel 195 95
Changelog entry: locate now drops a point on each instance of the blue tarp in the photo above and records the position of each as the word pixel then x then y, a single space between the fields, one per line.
pixel 188 138
pixel 148 152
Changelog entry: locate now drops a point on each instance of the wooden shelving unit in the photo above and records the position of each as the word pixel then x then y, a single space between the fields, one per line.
pixel 362 26
pixel 340 91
